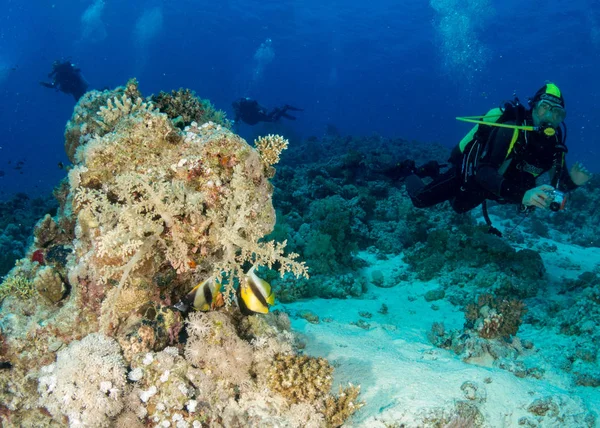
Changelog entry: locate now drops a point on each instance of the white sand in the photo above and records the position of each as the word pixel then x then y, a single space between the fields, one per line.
pixel 403 376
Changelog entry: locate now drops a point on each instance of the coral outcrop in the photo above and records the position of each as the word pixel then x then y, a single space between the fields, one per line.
pixel 150 210
pixel 152 202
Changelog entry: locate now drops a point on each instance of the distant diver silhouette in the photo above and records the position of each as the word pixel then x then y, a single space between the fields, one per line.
pixel 251 112
pixel 67 78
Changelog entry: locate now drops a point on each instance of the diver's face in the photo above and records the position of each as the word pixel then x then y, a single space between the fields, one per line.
pixel 548 114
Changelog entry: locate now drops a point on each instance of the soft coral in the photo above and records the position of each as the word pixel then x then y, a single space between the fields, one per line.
pixel 38 256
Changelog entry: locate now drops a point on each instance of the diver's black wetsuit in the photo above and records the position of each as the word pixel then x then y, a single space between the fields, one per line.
pixel 533 155
pixel 251 112
pixel 67 78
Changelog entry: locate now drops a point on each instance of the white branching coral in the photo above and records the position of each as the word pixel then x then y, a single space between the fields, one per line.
pixel 239 239
pixel 270 148
pixel 151 198
pixel 146 207
pixel 87 383
pixel 116 109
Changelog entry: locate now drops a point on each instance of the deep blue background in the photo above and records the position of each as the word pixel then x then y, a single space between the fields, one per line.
pixel 382 66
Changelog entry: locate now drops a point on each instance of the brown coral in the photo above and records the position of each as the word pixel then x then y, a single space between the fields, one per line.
pixel 46 231
pixel 300 377
pixel 50 284
pixel 495 317
pixel 184 107
pixel 270 148
pixel 339 409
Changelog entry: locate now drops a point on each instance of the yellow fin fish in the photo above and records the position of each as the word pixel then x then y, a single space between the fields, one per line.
pixel 202 296
pixel 255 294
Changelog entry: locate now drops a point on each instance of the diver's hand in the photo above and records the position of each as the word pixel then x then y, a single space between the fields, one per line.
pixel 579 174
pixel 537 197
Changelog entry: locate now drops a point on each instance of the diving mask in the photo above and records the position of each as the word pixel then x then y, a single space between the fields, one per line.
pixel 551 113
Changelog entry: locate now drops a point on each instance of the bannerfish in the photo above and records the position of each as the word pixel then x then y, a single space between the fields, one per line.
pixel 255 294
pixel 202 297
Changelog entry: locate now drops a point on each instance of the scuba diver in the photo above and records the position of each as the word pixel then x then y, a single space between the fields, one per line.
pixel 251 112
pixel 500 159
pixel 67 78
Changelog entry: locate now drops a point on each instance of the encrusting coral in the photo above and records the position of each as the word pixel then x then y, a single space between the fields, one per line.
pixel 149 211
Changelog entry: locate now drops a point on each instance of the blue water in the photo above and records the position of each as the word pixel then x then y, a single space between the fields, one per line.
pixel 394 68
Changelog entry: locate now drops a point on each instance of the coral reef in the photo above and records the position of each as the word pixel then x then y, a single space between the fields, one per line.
pixel 489 336
pixel 148 211
pixel 472 348
pixel 337 187
pixel 448 250
pixel 550 411
pixel 169 204
pixel 221 379
pixel 578 223
pixel 575 313
pixel 333 201
pixel 86 121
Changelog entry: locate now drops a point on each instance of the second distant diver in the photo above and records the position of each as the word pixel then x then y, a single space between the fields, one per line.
pixel 251 112
pixel 67 78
